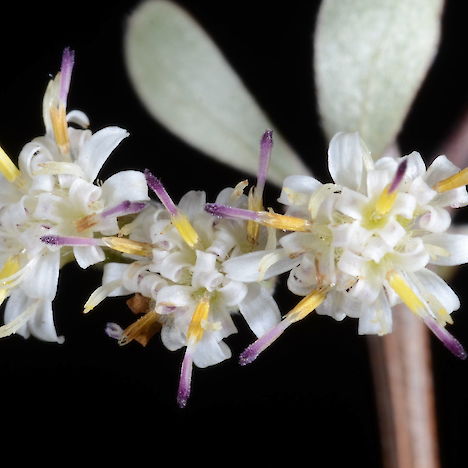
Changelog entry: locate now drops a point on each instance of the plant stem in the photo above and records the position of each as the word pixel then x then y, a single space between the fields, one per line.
pixel 401 363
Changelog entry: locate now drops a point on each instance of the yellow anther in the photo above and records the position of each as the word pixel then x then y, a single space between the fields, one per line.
pixel 129 246
pixel 142 330
pixel 444 316
pixel 186 230
pixel 457 180
pixel 284 222
pixel 58 118
pixel 196 330
pixel 385 201
pixel 7 167
pixel 404 291
pixel 308 304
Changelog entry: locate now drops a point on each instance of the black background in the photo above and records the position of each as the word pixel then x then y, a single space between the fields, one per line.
pixel 311 394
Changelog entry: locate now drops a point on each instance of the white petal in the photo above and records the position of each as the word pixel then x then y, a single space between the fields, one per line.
pixel 186 83
pixel 454 246
pixel 440 169
pixel 41 281
pixel 346 156
pixel 392 232
pixel 98 148
pixel 83 194
pixel 173 296
pixel 413 257
pixel 78 118
pixel 205 273
pixel 363 51
pixel 125 185
pixel 90 255
pixel 333 306
pixel 210 351
pixel 416 166
pixel 435 220
pixel 175 265
pixel 351 263
pixel 232 293
pixel 17 303
pixel 115 272
pixel 376 320
pixel 247 268
pixel 352 203
pixel 259 309
pixel 42 326
pixel 192 203
pixel 431 284
pixel 297 189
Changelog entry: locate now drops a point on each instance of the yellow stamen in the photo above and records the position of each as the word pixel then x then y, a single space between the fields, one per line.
pixel 406 294
pixel 128 246
pixel 196 330
pixel 308 304
pixel 10 267
pixel 457 180
pixel 385 201
pixel 58 118
pixel 444 316
pixel 142 330
pixel 186 230
pixel 253 228
pixel 7 167
pixel 284 222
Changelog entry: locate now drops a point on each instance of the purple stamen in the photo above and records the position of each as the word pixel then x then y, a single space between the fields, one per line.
pixel 68 60
pixel 113 330
pixel 124 208
pixel 266 145
pixel 398 176
pixel 69 241
pixel 253 351
pixel 158 188
pixel 449 341
pixel 223 211
pixel 183 392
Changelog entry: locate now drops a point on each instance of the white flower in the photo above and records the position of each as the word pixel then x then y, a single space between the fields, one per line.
pixel 184 279
pixel 51 195
pixel 372 235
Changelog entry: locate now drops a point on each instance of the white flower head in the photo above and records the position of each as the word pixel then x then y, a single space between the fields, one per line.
pixel 367 240
pixel 50 196
pixel 183 279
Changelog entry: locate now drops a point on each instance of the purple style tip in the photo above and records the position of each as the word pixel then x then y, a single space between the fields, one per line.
pixel 69 241
pixel 448 340
pixel 223 211
pixel 266 145
pixel 183 392
pixel 253 351
pixel 158 188
pixel 68 61
pixel 113 330
pixel 400 173
pixel 124 208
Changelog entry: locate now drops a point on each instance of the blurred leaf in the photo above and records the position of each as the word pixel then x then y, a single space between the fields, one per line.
pixel 371 57
pixel 188 86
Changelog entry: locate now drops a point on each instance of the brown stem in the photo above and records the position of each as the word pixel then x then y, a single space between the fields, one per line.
pixel 402 372
pixel 456 145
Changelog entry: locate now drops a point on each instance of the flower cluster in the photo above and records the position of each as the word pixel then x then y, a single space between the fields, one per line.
pixel 367 241
pixel 356 247
pixel 53 193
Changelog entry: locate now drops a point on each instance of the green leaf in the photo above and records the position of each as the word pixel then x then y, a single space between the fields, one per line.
pixel 187 85
pixel 370 58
